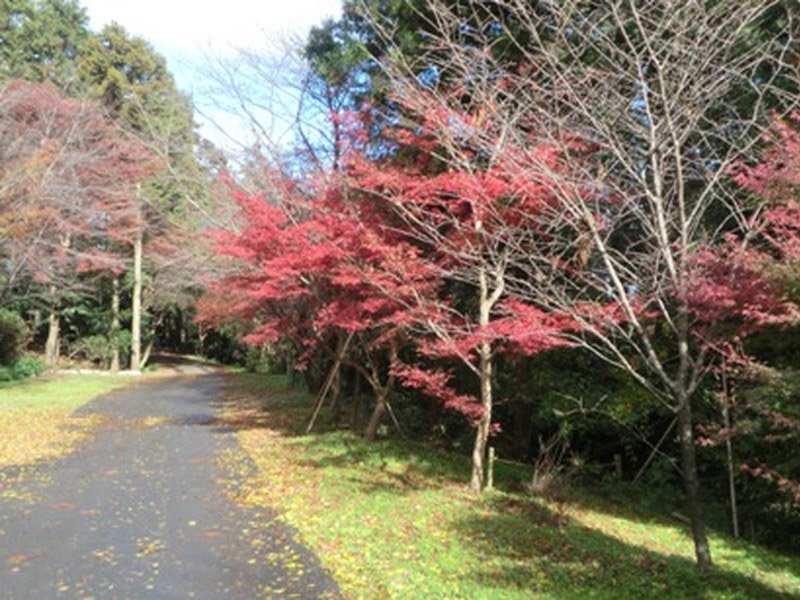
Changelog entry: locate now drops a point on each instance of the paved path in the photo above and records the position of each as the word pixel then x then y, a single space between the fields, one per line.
pixel 141 512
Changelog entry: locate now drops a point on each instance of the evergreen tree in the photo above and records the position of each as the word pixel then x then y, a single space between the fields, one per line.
pixel 41 40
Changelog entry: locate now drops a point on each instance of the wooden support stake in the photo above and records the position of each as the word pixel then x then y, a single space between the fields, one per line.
pixel 656 449
pixel 328 382
pixel 395 421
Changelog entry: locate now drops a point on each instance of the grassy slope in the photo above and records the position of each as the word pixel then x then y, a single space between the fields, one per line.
pixel 35 415
pixel 393 521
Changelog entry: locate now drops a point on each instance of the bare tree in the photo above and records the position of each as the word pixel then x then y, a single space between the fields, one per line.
pixel 649 105
pixel 290 113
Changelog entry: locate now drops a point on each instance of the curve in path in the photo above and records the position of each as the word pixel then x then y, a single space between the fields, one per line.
pixel 142 512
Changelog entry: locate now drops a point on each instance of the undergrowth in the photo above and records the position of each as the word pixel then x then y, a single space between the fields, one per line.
pixel 394 520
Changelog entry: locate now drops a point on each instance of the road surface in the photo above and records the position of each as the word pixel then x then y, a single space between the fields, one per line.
pixel 143 511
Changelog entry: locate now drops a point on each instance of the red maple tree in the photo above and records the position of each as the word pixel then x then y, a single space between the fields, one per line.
pixel 320 267
pixel 471 215
pixel 68 173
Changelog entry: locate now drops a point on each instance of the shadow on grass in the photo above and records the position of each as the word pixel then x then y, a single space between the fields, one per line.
pixel 267 402
pixel 564 559
pixel 610 503
pixel 528 546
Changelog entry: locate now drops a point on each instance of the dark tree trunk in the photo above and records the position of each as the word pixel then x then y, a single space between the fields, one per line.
pixel 381 391
pixel 354 416
pixel 692 484
pixel 371 430
pixel 523 425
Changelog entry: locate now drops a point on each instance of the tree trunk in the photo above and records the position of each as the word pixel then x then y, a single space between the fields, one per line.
pixel 523 429
pixel 692 483
pixel 53 343
pixel 731 479
pixel 726 421
pixel 201 341
pixel 371 430
pixel 148 350
pixel 180 331
pixel 290 373
pixel 381 393
pixel 136 320
pixel 115 325
pixel 478 478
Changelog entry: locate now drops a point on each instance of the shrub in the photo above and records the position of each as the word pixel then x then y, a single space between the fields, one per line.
pixel 14 336
pixel 6 374
pixel 27 366
pixel 258 360
pixel 93 348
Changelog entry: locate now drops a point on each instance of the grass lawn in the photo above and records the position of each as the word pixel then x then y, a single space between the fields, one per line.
pixel 393 520
pixel 35 416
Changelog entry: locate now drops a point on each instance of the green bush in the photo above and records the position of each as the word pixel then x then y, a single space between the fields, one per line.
pixel 94 348
pixel 6 374
pixel 25 367
pixel 14 336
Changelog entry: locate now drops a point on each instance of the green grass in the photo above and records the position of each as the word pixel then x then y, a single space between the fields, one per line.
pixel 393 520
pixel 36 421
pixel 56 393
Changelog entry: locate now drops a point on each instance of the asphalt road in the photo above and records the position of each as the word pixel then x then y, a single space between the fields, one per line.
pixel 142 512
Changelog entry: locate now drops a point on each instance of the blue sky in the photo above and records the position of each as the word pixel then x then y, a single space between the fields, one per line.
pixel 185 32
